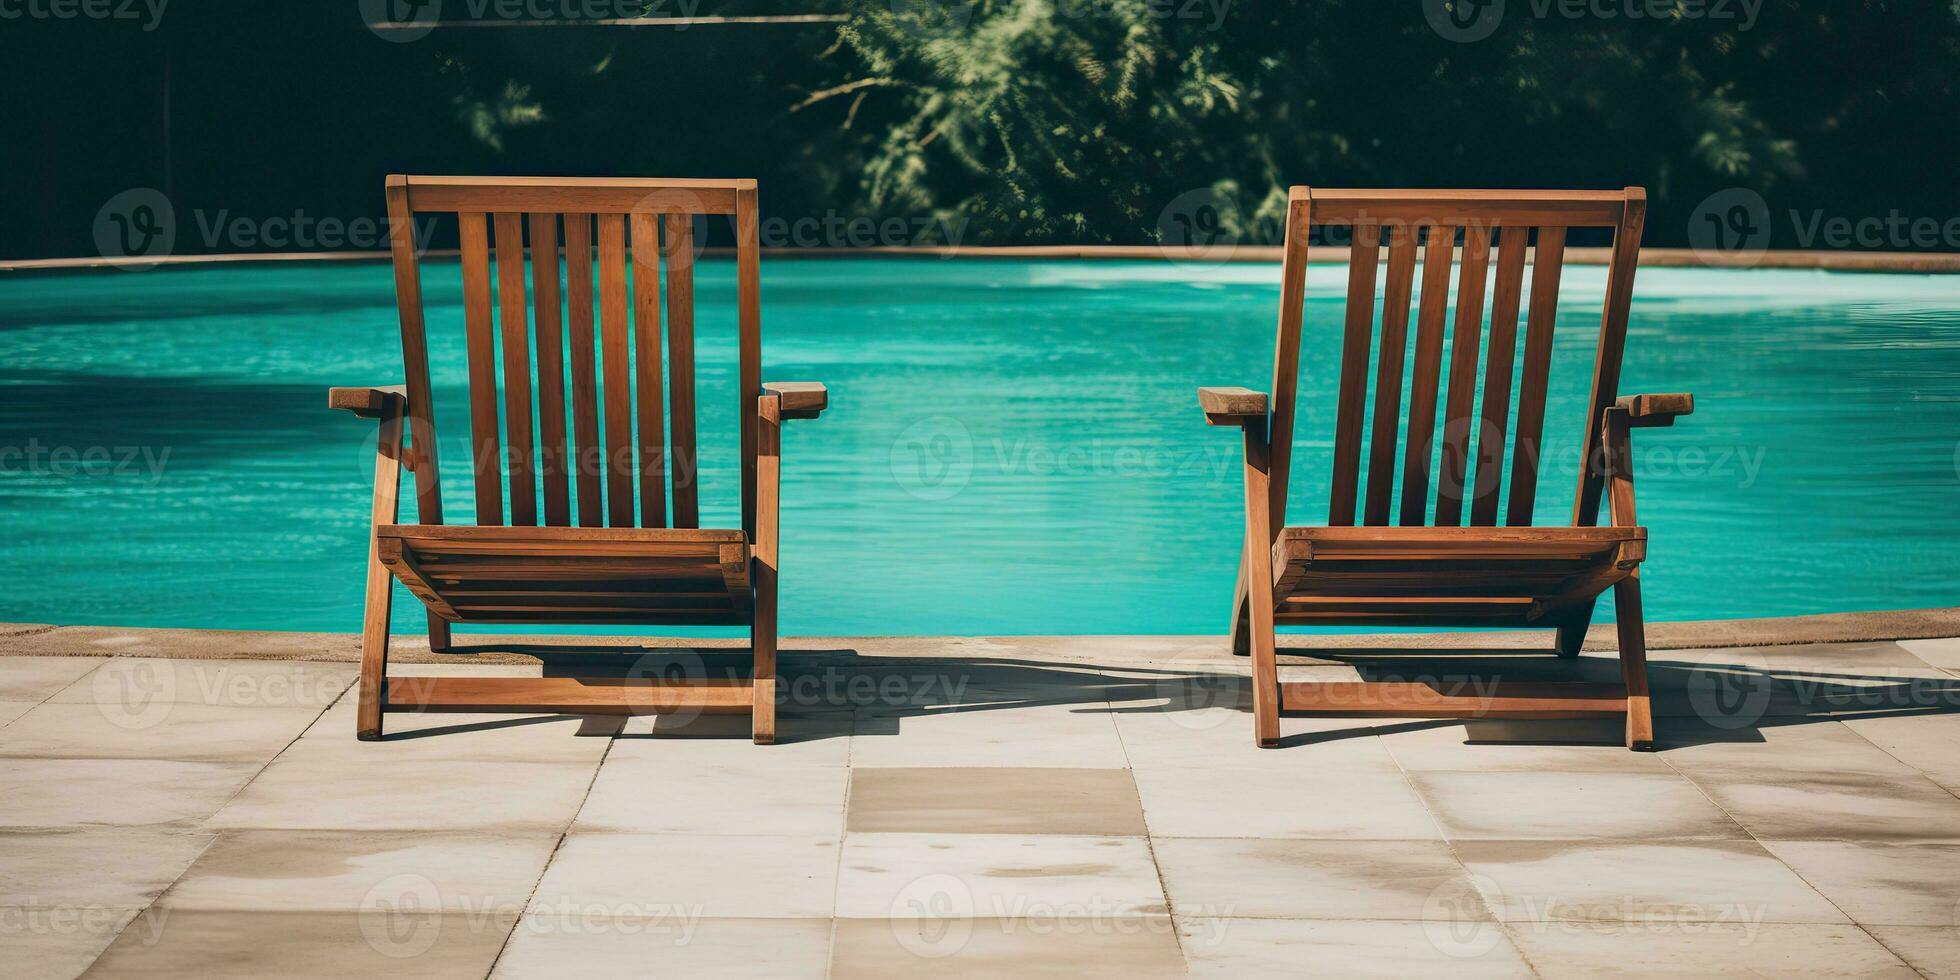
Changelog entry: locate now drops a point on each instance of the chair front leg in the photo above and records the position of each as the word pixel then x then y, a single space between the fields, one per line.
pixel 380 585
pixel 1257 572
pixel 768 506
pixel 1617 455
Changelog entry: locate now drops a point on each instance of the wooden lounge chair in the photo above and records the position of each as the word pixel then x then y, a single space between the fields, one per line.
pixel 585 557
pixel 1384 560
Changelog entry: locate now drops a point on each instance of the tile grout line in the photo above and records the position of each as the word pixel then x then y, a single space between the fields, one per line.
pixel 843 831
pixel 214 834
pixel 1503 927
pixel 1149 840
pixel 563 835
pixel 1758 841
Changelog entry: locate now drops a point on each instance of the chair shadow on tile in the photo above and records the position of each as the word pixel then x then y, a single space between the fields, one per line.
pixel 1720 696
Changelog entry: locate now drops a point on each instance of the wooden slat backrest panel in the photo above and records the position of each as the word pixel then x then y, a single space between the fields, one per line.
pixel 1498 362
pixel 680 357
pixel 1473 432
pixel 514 326
pixel 613 465
pixel 588 451
pixel 1354 372
pixel 551 368
pixel 1464 346
pixel 647 389
pixel 1388 377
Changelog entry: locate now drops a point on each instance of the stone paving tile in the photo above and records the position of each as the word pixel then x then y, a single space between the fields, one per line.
pixel 1517 746
pixel 1525 805
pixel 12 710
pixel 39 678
pixel 1715 950
pixel 1315 879
pixel 352 871
pixel 550 948
pixel 1929 743
pixel 988 948
pixel 134 683
pixel 44 945
pixel 455 736
pixel 803 740
pixel 1943 652
pixel 1606 881
pixel 1237 803
pixel 995 800
pixel 125 869
pixel 650 875
pixel 1819 746
pixel 234 945
pixel 378 794
pixel 1230 949
pixel 188 732
pixel 1882 884
pixel 991 876
pixel 1218 737
pixel 1791 805
pixel 1932 950
pixel 1070 736
pixel 644 796
pixel 73 793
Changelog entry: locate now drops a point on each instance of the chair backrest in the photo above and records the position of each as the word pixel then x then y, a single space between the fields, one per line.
pixel 598 462
pixel 1507 222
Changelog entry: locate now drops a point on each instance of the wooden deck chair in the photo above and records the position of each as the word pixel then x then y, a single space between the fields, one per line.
pixel 1389 559
pixel 586 557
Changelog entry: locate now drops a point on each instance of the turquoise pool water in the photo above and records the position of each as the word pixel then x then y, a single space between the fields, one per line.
pixel 1013 447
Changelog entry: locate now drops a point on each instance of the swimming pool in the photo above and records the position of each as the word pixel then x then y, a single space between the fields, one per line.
pixel 1015 444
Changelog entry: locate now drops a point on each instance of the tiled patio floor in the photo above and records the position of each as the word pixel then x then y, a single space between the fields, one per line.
pixel 1085 810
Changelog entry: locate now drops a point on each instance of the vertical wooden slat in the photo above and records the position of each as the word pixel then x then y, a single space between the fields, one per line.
pixel 682 455
pixel 1354 373
pixel 516 332
pixel 768 526
pixel 1548 260
pixel 415 360
pixel 614 361
pixel 480 334
pixel 551 367
pixel 647 385
pixel 1388 374
pixel 1417 449
pixel 748 313
pixel 588 455
pixel 1497 375
pixel 1465 344
pixel 1612 344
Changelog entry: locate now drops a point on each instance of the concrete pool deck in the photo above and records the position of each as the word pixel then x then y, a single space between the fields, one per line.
pixel 183 802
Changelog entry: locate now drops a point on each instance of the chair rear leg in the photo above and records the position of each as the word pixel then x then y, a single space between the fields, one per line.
pixel 1572 633
pixel 438 634
pixel 1633 663
pixel 1256 570
pixel 374 649
pixel 762 640
pixel 1241 615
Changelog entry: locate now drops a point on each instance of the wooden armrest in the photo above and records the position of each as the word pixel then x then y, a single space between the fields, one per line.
pixel 800 399
pixel 369 402
pixel 1231 406
pixel 1655 410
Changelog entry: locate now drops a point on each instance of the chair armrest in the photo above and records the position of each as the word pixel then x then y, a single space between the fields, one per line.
pixel 1231 406
pixel 800 399
pixel 369 402
pixel 1655 410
